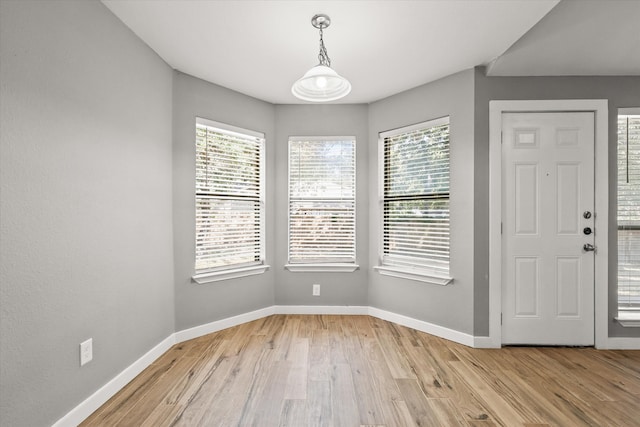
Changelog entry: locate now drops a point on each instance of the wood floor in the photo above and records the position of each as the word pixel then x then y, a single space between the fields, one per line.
pixel 345 371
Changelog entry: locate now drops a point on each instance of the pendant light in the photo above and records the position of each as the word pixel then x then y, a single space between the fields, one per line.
pixel 321 83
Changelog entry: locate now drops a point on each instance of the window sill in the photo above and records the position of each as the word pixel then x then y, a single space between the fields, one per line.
pixel 629 320
pixel 413 274
pixel 216 276
pixel 320 268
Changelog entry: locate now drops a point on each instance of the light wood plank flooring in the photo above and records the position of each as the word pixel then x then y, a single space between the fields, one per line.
pixel 345 371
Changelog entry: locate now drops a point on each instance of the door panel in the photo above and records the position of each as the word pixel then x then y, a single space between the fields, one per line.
pixel 548 182
pixel 526 194
pixel 568 188
pixel 526 286
pixel 568 285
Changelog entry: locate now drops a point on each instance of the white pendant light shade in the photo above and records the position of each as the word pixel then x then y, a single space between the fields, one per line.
pixel 321 84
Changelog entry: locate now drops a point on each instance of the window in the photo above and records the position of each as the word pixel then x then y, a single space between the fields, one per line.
pixel 415 202
pixel 629 218
pixel 322 222
pixel 229 202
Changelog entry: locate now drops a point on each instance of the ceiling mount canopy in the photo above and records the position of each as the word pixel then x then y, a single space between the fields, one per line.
pixel 321 83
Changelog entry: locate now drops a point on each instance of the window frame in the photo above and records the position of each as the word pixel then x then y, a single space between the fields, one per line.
pixel 627 316
pixel 230 271
pixel 419 272
pixel 318 265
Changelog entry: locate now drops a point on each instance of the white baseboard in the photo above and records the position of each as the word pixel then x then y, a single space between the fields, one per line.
pixel 419 325
pixel 620 343
pixel 484 342
pixel 422 326
pixel 322 309
pixel 218 325
pixel 104 393
pixel 97 399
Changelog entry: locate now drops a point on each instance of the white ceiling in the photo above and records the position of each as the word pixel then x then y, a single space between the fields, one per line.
pixel 383 47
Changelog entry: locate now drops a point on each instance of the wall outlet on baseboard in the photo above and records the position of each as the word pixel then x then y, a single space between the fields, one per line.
pixel 86 351
pixel 316 290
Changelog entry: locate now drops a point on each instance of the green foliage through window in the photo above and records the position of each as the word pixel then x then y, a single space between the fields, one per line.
pixel 628 213
pixel 321 200
pixel 415 199
pixel 229 198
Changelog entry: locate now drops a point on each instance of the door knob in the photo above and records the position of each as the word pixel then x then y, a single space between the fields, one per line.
pixel 588 247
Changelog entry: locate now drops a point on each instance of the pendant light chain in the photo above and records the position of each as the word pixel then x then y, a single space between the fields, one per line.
pixel 321 83
pixel 323 56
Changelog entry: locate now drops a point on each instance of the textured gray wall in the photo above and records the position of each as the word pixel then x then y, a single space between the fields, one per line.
pixel 85 243
pixel 449 306
pixel 620 91
pixel 200 304
pixel 321 120
pixel 97 208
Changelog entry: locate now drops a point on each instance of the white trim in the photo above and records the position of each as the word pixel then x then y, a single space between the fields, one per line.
pixel 621 343
pixel 413 274
pixel 628 323
pixel 340 267
pixel 322 309
pixel 322 268
pixel 322 138
pixel 484 342
pixel 230 129
pixel 233 273
pixel 407 129
pixel 422 326
pixel 104 393
pixel 218 325
pixel 78 414
pixel 97 399
pixel 629 319
pixel 600 108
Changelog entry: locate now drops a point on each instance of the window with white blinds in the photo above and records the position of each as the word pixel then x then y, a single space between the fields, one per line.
pixel 415 198
pixel 629 213
pixel 322 221
pixel 229 197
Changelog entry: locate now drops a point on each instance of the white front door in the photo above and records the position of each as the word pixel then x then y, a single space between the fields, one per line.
pixel 547 219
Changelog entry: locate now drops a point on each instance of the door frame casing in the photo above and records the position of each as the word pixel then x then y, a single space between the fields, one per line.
pixel 601 152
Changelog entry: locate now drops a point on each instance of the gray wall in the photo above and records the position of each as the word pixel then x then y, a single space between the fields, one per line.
pixel 449 306
pixel 85 243
pixel 200 304
pixel 97 207
pixel 620 91
pixel 321 120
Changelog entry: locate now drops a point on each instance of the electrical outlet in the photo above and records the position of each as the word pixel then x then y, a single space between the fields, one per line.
pixel 316 290
pixel 86 351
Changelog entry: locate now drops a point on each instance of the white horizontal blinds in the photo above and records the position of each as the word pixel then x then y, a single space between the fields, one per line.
pixel 321 200
pixel 416 197
pixel 229 198
pixel 629 212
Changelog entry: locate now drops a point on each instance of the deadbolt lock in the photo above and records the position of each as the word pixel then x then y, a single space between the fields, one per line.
pixel 587 230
